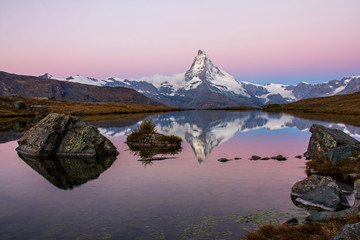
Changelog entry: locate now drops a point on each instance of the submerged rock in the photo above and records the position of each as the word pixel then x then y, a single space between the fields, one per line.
pixel 61 134
pixel 324 139
pixel 279 158
pixel 319 192
pixel 224 159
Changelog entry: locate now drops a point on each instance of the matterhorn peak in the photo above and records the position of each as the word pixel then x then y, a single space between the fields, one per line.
pixel 202 52
pixel 201 68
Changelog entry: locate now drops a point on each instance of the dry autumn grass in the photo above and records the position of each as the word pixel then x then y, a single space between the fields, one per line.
pixel 314 231
pixel 338 104
pixel 77 108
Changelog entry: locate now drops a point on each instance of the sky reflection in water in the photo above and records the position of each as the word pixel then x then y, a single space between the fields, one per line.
pixel 130 200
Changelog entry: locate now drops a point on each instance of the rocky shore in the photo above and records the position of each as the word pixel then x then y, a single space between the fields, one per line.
pixel 334 156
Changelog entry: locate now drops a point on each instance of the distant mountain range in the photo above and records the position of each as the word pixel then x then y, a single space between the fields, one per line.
pixel 29 86
pixel 205 85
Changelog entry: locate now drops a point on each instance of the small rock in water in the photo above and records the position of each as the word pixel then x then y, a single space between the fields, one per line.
pixel 279 158
pixel 237 158
pixel 265 158
pixel 255 157
pixel 224 160
pixel 298 156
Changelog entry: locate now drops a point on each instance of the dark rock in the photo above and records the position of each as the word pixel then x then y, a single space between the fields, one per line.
pixel 265 158
pixel 292 221
pixel 224 160
pixel 19 105
pixel 349 232
pixel 319 192
pixel 279 158
pixel 340 153
pixel 324 197
pixel 255 157
pixel 237 158
pixel 298 156
pixel 324 139
pixel 321 216
pixel 312 182
pixel 61 134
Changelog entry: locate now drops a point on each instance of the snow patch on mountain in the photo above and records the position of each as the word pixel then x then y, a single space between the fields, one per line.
pixel 281 89
pixel 175 81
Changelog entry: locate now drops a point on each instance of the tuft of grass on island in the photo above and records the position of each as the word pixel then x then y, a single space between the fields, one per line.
pixel 10 107
pixel 238 108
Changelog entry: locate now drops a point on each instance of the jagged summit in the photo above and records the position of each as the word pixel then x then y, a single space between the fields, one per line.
pixel 202 68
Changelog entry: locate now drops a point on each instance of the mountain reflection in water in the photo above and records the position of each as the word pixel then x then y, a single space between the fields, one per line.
pixel 204 130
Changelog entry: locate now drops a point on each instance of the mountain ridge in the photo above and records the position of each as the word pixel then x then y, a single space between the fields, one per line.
pixel 205 85
pixel 30 86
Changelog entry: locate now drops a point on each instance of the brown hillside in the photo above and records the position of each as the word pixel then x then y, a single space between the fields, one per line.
pixel 338 104
pixel 29 86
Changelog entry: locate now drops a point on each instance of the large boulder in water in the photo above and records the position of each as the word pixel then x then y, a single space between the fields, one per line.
pixel 61 134
pixel 320 192
pixel 324 139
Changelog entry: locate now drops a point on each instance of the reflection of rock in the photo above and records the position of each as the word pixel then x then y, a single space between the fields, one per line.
pixel 324 139
pixel 150 151
pixel 67 172
pixel 319 192
pixel 60 134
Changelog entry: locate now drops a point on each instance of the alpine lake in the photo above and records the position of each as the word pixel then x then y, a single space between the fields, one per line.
pixel 185 194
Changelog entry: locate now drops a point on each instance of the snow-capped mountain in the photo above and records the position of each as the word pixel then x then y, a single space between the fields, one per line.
pixel 204 85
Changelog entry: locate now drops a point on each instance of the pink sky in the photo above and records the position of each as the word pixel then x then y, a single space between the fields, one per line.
pixel 283 41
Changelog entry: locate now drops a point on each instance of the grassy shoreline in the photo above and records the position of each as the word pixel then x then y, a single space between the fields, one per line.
pixel 7 109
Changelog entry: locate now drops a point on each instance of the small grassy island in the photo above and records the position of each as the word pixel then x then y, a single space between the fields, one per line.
pixel 147 142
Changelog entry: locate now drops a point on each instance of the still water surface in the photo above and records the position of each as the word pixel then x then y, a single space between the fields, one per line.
pixel 189 196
